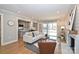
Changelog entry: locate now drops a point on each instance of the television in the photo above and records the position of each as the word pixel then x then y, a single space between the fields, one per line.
pixel 21 25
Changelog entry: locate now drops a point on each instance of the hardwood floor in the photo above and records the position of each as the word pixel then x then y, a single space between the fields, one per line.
pixel 15 48
pixel 18 48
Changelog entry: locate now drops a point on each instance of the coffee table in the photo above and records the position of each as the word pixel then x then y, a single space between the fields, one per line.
pixel 46 46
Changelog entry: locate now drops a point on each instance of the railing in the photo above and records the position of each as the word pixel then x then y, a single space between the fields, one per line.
pixel 70 24
pixel 72 18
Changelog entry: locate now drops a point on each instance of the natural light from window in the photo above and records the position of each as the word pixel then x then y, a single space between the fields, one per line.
pixel 50 29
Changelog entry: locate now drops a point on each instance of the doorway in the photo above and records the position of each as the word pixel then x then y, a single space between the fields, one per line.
pixel 23 27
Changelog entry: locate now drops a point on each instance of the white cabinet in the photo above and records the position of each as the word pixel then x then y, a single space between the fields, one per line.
pixel 76 47
pixel 77 44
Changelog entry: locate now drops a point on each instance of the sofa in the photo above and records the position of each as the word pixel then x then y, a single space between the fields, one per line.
pixel 33 36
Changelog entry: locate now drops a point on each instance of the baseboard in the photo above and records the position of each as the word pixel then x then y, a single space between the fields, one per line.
pixel 9 42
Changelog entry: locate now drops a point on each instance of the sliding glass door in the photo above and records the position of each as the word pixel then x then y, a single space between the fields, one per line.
pixel 50 29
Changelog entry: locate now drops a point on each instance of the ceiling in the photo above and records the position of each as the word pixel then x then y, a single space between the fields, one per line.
pixel 39 11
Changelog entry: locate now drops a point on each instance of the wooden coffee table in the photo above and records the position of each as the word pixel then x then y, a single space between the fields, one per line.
pixel 46 40
pixel 46 46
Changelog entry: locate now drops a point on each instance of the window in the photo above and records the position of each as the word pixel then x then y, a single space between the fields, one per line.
pixel 50 29
pixel 45 28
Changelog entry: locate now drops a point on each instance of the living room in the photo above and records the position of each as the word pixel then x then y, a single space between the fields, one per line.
pixel 25 26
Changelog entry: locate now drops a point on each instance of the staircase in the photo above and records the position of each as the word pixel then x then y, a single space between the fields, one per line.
pixel 70 24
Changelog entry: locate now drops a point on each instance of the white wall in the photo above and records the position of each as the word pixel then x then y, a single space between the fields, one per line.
pixel 10 33
pixel 61 22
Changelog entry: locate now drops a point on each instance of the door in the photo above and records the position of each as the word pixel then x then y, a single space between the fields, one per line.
pixel 50 29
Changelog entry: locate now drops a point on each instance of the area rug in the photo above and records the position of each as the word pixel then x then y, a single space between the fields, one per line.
pixel 33 47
